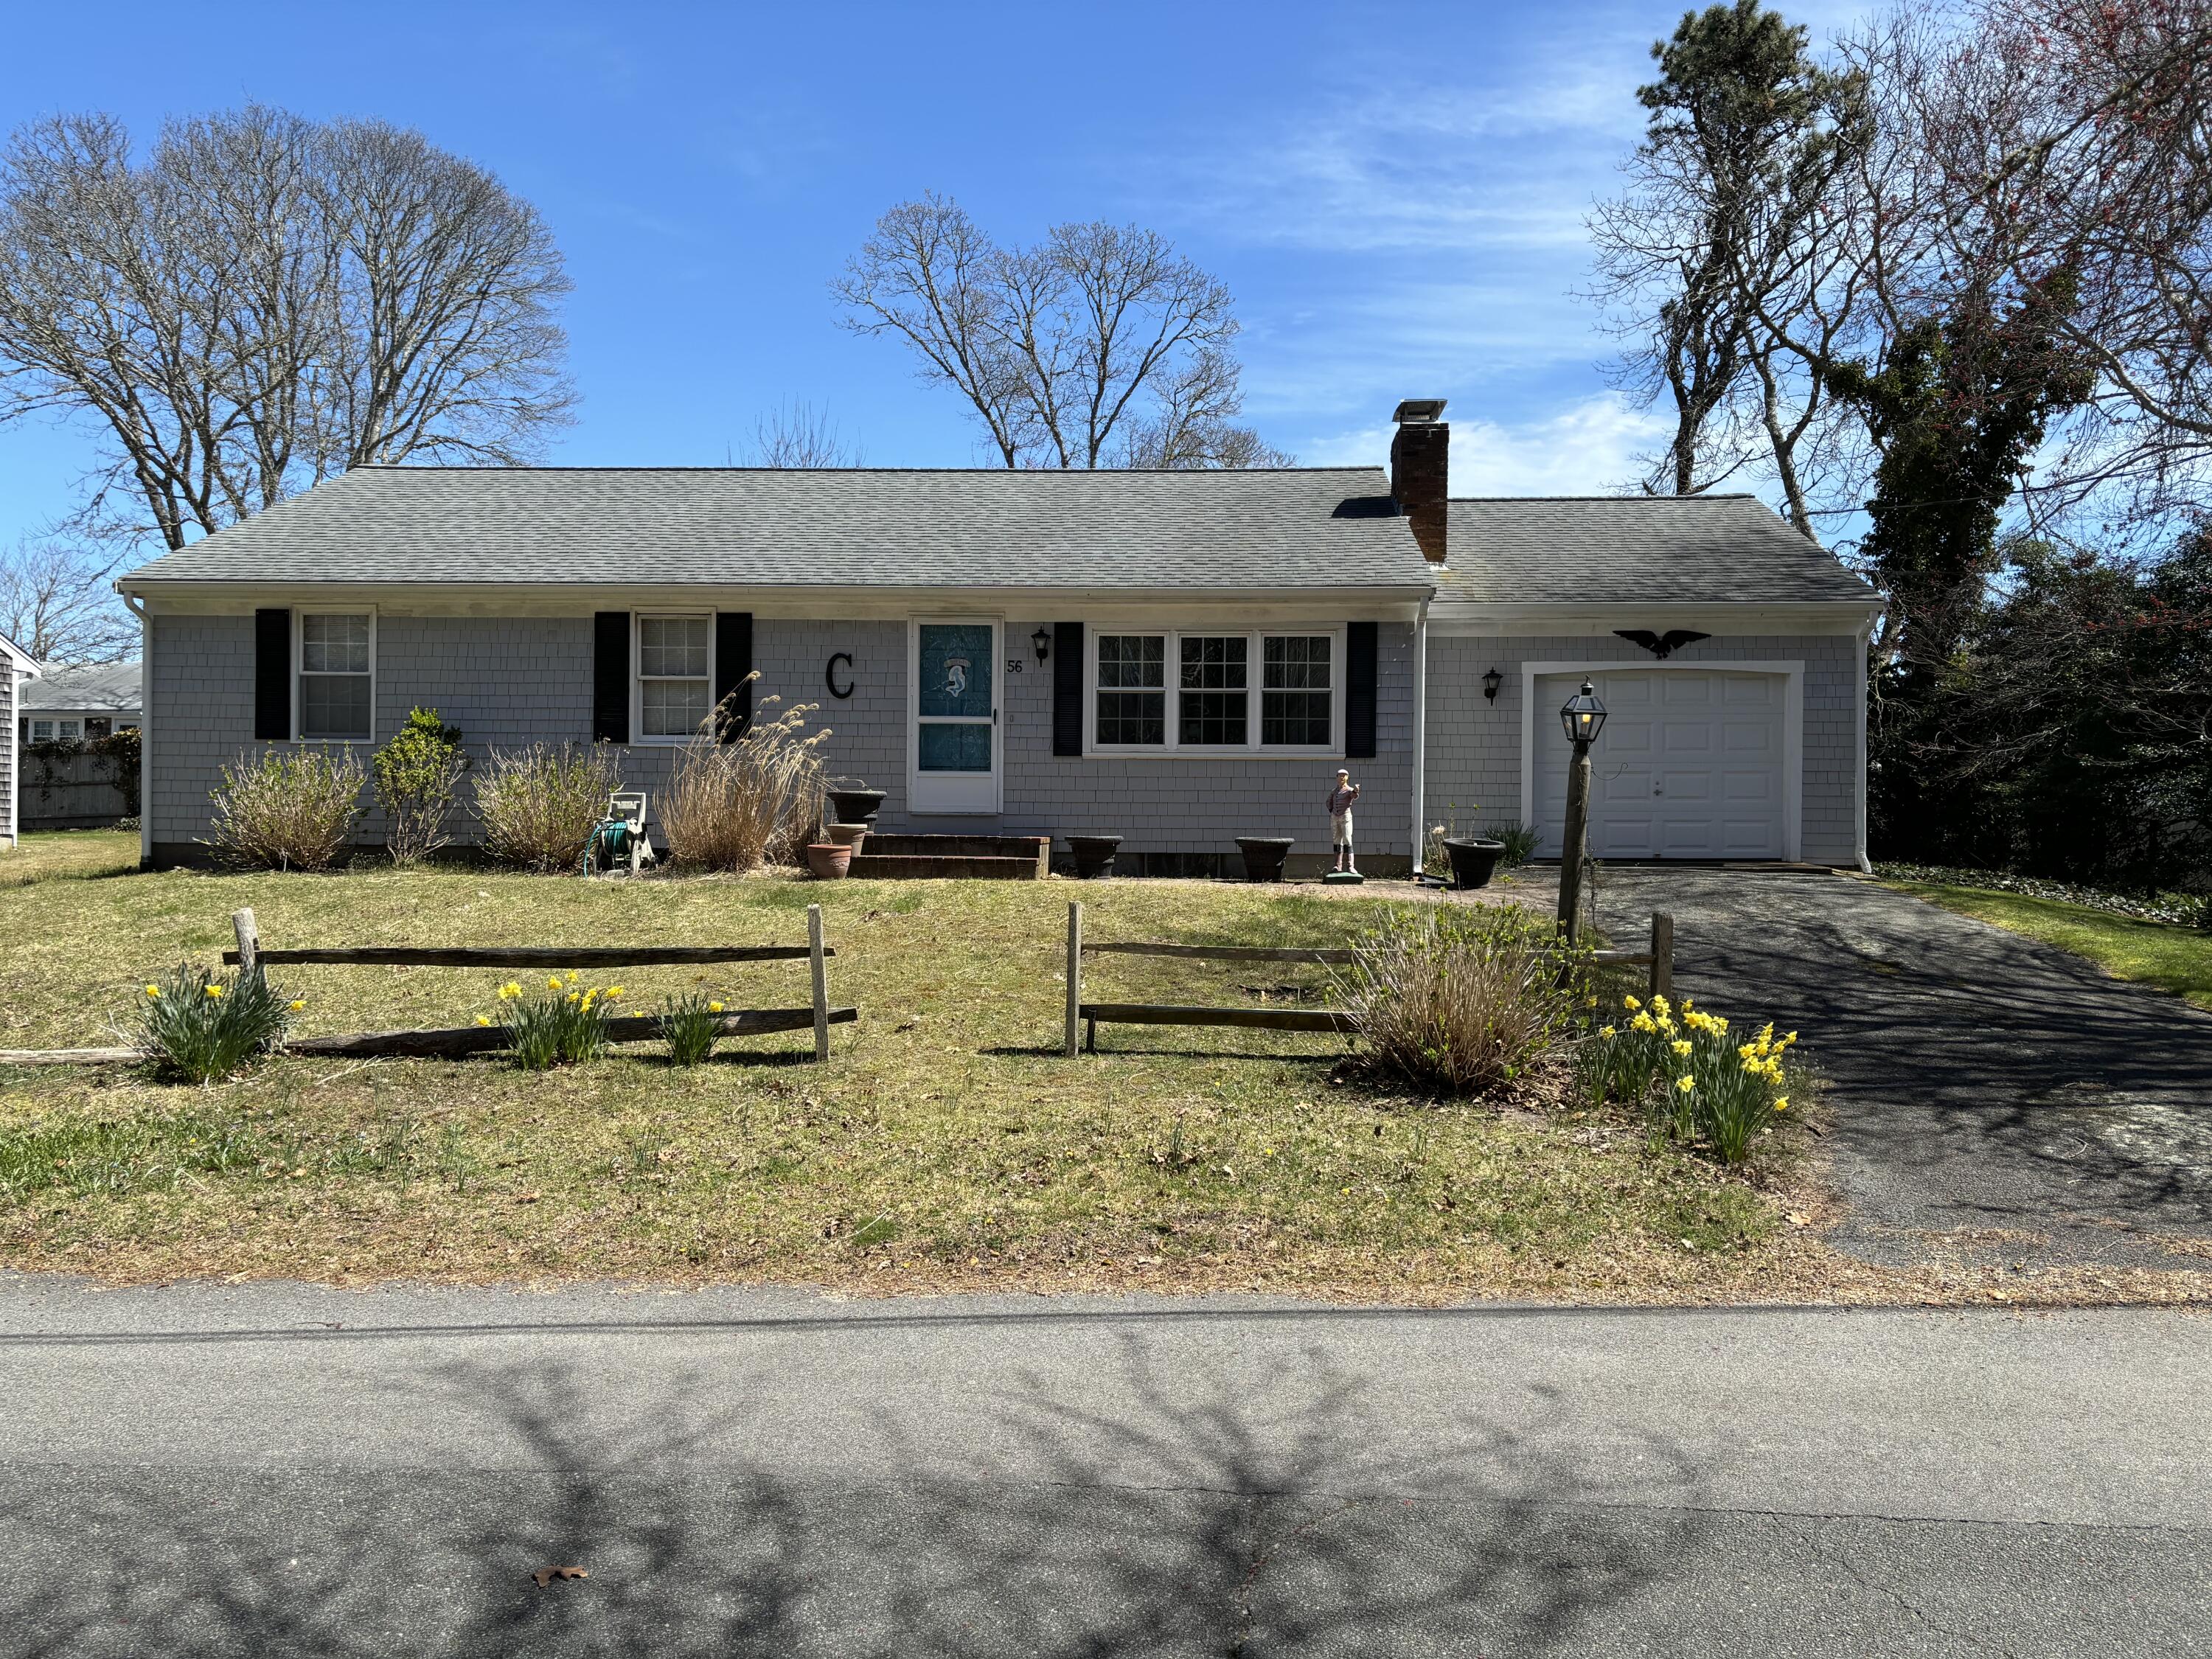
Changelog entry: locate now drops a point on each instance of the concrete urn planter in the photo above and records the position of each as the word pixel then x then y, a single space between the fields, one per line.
pixel 1474 861
pixel 1094 856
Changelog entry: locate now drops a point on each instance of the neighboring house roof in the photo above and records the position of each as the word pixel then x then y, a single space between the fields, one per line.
pixel 90 686
pixel 1302 528
pixel 1636 550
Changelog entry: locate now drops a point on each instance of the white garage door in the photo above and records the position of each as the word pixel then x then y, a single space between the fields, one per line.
pixel 1689 764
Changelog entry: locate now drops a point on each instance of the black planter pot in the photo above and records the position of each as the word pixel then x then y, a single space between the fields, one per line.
pixel 1474 861
pixel 1094 856
pixel 1264 856
pixel 857 806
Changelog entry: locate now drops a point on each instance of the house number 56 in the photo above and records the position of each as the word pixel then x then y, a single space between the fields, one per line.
pixel 1013 665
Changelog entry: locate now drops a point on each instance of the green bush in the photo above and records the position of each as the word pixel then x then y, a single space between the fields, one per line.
pixel 1520 840
pixel 1695 1081
pixel 688 1025
pixel 565 1023
pixel 288 809
pixel 418 776
pixel 540 805
pixel 1459 1000
pixel 202 1027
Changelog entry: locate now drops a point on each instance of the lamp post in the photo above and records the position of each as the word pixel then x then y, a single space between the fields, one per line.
pixel 1583 717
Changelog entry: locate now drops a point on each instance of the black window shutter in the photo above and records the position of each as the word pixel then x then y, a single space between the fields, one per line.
pixel 733 663
pixel 611 676
pixel 1067 688
pixel 272 676
pixel 1359 691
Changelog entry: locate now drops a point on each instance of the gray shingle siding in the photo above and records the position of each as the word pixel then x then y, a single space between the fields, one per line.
pixel 1474 770
pixel 507 682
pixel 8 747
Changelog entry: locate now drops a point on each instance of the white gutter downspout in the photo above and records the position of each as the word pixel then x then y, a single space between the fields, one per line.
pixel 145 729
pixel 1866 675
pixel 1421 729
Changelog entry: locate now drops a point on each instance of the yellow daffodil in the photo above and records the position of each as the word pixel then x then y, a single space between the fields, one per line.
pixel 1607 1032
pixel 1680 1045
pixel 509 992
pixel 153 991
pixel 572 996
pixel 553 983
pixel 589 996
pixel 1642 1023
pixel 484 1019
pixel 714 1007
pixel 614 990
pixel 1630 1004
pixel 214 991
pixel 572 977
pixel 1782 1104
pixel 1593 1002
pixel 1685 1083
pixel 1659 1006
pixel 298 1003
pixel 1685 1005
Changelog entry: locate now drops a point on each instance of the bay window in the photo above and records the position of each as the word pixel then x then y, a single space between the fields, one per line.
pixel 1208 703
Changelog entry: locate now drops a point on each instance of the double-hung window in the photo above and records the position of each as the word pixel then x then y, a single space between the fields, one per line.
pixel 336 674
pixel 675 675
pixel 1213 692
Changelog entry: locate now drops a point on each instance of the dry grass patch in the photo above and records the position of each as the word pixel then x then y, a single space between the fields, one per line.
pixel 946 1143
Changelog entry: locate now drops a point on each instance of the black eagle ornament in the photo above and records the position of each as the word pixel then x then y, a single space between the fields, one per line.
pixel 1660 645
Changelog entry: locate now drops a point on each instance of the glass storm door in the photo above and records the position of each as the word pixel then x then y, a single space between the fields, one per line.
pixel 955 717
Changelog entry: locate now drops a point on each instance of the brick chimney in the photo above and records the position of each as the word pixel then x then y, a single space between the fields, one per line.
pixel 1420 470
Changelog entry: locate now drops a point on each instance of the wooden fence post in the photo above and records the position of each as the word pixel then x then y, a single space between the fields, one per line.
pixel 1074 975
pixel 821 982
pixel 1662 954
pixel 249 941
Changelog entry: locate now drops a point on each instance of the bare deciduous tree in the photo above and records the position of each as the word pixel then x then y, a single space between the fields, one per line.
pixel 264 302
pixel 1099 346
pixel 798 435
pixel 56 602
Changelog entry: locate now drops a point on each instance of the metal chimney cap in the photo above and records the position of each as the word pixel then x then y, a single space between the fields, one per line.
pixel 1419 411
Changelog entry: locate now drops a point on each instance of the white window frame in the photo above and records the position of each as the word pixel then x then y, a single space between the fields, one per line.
pixel 1256 675
pixel 300 614
pixel 638 677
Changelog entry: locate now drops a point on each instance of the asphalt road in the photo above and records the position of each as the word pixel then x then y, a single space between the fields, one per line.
pixel 1992 1094
pixel 279 1469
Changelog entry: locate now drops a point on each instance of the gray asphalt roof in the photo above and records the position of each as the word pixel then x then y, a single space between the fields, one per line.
pixel 84 685
pixel 1305 528
pixel 1635 548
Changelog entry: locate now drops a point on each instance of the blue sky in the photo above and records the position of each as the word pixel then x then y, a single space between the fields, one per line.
pixel 1394 193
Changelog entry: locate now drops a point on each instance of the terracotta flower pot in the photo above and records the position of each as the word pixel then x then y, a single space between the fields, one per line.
pixel 828 861
pixel 846 835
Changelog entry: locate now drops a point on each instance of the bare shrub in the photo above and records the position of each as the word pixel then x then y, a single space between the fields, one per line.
pixel 539 806
pixel 1460 1000
pixel 288 810
pixel 738 806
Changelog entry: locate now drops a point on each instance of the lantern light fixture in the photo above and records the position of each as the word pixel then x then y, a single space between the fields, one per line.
pixel 1042 641
pixel 1582 715
pixel 1491 682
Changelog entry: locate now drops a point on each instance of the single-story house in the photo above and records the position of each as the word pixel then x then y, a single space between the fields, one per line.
pixel 17 667
pixel 1180 658
pixel 72 701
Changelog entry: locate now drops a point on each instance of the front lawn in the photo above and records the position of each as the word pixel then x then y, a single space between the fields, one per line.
pixel 59 855
pixel 2172 957
pixel 947 1144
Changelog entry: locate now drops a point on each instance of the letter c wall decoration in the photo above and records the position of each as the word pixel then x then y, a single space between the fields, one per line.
pixel 829 675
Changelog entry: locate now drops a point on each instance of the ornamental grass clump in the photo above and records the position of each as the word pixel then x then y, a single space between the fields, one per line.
pixel 565 1023
pixel 202 1027
pixel 690 1024
pixel 288 810
pixel 1461 1001
pixel 540 805
pixel 1694 1081
pixel 737 805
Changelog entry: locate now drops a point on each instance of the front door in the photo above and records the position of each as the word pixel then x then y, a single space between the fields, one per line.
pixel 955 717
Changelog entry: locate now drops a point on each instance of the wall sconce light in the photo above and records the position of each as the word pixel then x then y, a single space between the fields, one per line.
pixel 1491 682
pixel 1042 641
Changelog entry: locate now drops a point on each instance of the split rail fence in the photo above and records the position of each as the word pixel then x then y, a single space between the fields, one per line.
pixel 454 1042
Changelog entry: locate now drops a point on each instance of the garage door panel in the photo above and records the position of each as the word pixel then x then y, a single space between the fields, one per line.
pixel 1689 765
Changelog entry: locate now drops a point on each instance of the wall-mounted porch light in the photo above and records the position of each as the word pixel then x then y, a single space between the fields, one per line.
pixel 1491 682
pixel 1042 641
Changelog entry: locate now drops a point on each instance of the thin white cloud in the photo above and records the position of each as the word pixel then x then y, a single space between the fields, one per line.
pixel 1589 448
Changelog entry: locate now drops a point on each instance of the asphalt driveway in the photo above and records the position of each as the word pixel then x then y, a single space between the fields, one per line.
pixel 1994 1091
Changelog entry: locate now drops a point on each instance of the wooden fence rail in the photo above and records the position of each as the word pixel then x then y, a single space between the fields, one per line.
pixel 454 1042
pixel 1659 958
pixel 1083 1017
